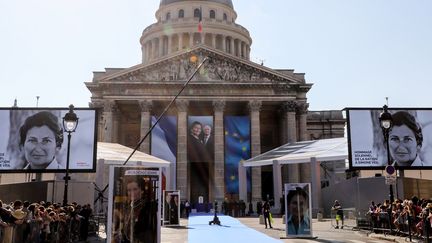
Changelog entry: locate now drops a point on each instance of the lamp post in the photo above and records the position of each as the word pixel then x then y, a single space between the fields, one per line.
pixel 70 123
pixel 386 122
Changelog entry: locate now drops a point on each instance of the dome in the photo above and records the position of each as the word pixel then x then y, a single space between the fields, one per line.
pixel 225 2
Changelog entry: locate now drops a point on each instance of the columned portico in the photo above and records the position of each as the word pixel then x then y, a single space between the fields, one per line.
pixel 224 87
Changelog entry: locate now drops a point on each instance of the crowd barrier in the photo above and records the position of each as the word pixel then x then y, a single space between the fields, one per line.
pixel 54 232
pixel 382 224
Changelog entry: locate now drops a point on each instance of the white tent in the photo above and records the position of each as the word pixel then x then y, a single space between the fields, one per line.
pixel 313 152
pixel 116 154
pixel 301 152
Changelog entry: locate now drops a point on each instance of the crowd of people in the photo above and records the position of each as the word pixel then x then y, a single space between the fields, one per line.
pixel 43 222
pixel 410 216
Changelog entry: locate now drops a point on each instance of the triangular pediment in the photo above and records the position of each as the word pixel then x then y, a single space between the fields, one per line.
pixel 220 67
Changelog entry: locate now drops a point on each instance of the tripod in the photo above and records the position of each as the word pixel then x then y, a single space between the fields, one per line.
pixel 215 218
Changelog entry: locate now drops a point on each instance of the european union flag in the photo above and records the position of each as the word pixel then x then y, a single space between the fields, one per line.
pixel 237 148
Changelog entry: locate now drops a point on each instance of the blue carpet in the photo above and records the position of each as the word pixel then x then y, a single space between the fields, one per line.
pixel 231 231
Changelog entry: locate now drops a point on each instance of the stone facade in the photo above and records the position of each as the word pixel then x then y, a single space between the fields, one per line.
pixel 227 84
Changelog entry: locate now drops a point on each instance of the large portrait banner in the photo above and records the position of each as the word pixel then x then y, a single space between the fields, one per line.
pixel 298 204
pixel 409 143
pixel 33 140
pixel 200 155
pixel 133 215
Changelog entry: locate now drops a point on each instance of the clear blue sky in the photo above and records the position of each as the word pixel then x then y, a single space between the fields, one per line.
pixel 356 52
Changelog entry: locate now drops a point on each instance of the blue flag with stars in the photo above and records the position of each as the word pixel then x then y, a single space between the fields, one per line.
pixel 237 149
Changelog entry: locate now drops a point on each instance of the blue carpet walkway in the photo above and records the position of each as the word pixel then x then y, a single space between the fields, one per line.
pixel 231 231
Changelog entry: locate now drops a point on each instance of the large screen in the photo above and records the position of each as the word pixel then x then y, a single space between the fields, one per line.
pixel 133 214
pixel 298 204
pixel 33 140
pixel 409 143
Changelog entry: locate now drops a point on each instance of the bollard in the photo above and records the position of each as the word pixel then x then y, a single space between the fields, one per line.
pixel 261 219
pixel 320 217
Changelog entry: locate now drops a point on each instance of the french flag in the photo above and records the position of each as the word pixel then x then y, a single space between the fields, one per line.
pixel 200 21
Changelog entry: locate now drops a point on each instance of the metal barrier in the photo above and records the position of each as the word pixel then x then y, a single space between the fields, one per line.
pixel 348 219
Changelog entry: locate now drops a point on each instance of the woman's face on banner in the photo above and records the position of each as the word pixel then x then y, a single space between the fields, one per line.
pixel 40 147
pixel 196 130
pixel 403 144
pixel 134 192
pixel 297 205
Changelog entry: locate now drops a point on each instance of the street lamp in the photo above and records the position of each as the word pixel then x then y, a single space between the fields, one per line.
pixel 70 123
pixel 386 122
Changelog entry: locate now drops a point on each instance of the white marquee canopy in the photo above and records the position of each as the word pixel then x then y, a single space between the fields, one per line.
pixel 313 152
pixel 301 152
pixel 116 154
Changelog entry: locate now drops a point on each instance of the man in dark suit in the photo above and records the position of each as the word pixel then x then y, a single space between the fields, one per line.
pixel 208 141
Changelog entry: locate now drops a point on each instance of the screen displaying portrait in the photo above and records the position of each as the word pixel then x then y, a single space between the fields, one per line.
pixel 133 214
pixel 34 140
pixel 171 207
pixel 409 143
pixel 298 204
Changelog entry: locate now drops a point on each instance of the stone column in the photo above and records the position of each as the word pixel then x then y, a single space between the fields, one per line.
pixel 109 107
pixel 180 41
pixel 153 55
pixel 277 184
pixel 116 124
pixel 169 48
pixel 219 159
pixel 160 54
pixel 144 54
pixel 291 135
pixel 244 50
pixel 202 35
pixel 302 108
pixel 232 47
pixel 224 43
pixel 145 106
pixel 99 105
pixel 254 108
pixel 182 165
pixel 248 52
pixel 148 51
pixel 239 49
pixel 214 41
pixel 191 40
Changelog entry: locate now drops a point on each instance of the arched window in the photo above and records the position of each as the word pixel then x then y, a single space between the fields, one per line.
pixel 196 13
pixel 181 13
pixel 212 14
pixel 168 16
pixel 225 17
